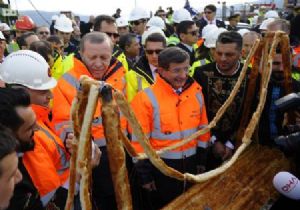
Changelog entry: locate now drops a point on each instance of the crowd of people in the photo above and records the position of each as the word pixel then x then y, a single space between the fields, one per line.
pixel 176 71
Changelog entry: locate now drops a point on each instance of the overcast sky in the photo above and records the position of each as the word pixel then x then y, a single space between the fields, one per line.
pixel 95 7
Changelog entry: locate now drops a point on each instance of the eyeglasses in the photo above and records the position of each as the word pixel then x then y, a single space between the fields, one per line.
pixel 193 33
pixel 208 12
pixel 150 52
pixel 136 22
pixel 114 35
pixel 179 70
pixel 43 32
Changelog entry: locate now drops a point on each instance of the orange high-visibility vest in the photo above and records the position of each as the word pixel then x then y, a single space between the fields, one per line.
pixel 48 163
pixel 167 118
pixel 65 91
pixel 296 57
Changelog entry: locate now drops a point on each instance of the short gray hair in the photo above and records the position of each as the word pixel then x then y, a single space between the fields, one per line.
pixel 172 55
pixel 95 38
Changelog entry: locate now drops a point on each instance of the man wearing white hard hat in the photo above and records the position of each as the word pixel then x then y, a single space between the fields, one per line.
pixel 123 26
pixel 5 29
pixel 138 19
pixel 178 16
pixel 64 29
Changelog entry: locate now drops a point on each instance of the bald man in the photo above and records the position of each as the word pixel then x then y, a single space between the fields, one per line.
pixel 248 40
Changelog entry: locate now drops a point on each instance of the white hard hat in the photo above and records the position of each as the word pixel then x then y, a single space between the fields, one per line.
pixel 212 36
pixel 181 15
pixel 271 14
pixel 54 17
pixel 152 30
pixel 265 23
pixel 2 36
pixel 121 22
pixel 27 68
pixel 156 21
pixel 63 24
pixel 207 29
pixel 243 31
pixel 4 27
pixel 138 13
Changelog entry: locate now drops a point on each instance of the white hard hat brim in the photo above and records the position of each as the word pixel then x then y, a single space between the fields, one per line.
pixel 68 30
pixel 46 86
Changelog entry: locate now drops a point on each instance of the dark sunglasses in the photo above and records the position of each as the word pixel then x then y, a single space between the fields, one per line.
pixel 193 33
pixel 44 32
pixel 162 15
pixel 136 22
pixel 276 63
pixel 114 35
pixel 150 52
pixel 208 12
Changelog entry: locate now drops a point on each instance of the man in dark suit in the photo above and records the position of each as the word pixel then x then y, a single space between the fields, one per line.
pixel 188 35
pixel 209 17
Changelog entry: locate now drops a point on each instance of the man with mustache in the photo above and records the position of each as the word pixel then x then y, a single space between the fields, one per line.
pixel 18 116
pixel 217 80
pixel 10 174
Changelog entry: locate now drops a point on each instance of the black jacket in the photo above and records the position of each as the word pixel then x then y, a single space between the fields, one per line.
pixel 26 196
pixel 191 54
pixel 202 23
pixel 142 67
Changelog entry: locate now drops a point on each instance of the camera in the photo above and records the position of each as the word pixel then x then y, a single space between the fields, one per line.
pixel 290 143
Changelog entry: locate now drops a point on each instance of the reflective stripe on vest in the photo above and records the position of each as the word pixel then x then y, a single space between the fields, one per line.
pixel 63 159
pixel 156 133
pixel 179 154
pixel 46 198
pixel 71 80
pixel 139 81
pixel 296 60
pixel 203 62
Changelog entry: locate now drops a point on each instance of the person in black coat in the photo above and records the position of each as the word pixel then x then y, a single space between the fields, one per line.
pixel 188 35
pixel 210 18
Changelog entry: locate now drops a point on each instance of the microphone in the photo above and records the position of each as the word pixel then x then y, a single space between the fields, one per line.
pixel 287 184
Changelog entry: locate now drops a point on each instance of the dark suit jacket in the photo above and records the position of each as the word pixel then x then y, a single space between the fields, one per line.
pixel 202 23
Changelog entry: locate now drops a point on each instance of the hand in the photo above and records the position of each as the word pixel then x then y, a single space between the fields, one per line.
pixel 219 149
pixel 69 142
pixel 150 186
pixel 96 156
pixel 228 153
pixel 200 169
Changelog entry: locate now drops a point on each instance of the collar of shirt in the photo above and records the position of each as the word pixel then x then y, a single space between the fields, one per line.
pixel 188 46
pixel 178 91
pixel 214 21
pixel 153 70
